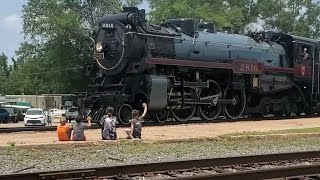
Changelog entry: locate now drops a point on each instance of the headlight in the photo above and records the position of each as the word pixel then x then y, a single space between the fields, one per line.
pixel 99 47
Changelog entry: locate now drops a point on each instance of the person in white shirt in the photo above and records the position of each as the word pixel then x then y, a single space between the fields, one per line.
pixel 108 125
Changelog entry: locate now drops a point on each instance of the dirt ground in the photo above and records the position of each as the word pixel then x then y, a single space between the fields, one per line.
pixel 168 132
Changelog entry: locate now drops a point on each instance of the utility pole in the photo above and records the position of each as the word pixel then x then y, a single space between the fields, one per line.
pixel 48 96
pixel 37 99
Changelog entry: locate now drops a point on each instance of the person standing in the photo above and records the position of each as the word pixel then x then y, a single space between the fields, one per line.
pixel 108 125
pixel 49 120
pixel 136 124
pixel 305 56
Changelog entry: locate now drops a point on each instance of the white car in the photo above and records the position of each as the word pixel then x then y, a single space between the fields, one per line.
pixel 56 112
pixel 71 113
pixel 35 116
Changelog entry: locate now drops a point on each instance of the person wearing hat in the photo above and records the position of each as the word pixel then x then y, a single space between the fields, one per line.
pixel 108 125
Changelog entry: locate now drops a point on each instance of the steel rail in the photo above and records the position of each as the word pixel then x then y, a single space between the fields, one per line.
pixel 150 124
pixel 123 171
pixel 272 173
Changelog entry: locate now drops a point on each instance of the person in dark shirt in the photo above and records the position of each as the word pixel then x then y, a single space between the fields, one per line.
pixel 108 125
pixel 136 124
pixel 78 129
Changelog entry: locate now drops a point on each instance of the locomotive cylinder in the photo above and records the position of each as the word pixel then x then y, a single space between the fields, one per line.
pixel 158 97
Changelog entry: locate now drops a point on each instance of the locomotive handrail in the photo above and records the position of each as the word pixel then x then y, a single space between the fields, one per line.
pixel 169 37
pixel 239 45
pixel 208 42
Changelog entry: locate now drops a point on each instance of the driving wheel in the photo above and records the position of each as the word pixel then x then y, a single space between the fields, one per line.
pixel 210 111
pixel 235 110
pixel 125 113
pixel 161 115
pixel 186 111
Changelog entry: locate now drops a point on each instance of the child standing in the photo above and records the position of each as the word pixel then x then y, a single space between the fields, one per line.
pixel 49 120
pixel 78 130
pixel 136 124
pixel 108 123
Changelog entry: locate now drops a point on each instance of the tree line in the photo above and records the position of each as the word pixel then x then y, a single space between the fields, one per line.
pixel 57 43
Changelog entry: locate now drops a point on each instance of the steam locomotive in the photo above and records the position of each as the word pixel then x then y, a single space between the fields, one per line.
pixel 183 69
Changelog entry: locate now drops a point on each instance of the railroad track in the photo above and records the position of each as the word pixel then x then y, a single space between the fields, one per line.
pixel 146 124
pixel 268 166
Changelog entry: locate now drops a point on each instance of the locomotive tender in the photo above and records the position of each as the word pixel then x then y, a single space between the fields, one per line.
pixel 182 72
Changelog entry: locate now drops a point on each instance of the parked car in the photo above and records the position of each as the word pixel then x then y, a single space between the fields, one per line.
pixel 56 112
pixel 72 113
pixel 4 116
pixel 12 114
pixel 35 116
pixel 21 110
pixel 20 116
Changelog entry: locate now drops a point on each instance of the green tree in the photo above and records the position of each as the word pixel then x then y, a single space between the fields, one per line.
pixel 298 17
pixel 216 11
pixel 4 68
pixel 57 43
pixel 4 72
pixel 132 3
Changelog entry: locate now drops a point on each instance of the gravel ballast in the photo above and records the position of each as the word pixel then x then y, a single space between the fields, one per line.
pixel 66 156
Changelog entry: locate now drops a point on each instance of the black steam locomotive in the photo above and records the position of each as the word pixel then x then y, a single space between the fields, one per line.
pixel 183 70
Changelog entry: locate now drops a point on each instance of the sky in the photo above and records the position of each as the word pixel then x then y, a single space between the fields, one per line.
pixel 11 25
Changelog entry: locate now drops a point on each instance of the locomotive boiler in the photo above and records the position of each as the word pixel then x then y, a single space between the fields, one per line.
pixel 183 69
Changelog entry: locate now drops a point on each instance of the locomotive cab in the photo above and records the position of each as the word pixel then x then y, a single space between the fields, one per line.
pixel 300 51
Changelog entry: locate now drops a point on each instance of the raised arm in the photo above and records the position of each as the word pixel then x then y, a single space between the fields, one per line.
pixel 145 109
pixel 102 121
pixel 89 120
pixel 131 130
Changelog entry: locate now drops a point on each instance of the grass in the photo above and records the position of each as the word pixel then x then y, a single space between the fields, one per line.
pixel 287 131
pixel 11 143
pixel 124 152
pixel 137 148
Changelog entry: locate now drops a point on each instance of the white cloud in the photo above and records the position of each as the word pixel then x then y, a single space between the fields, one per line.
pixel 12 21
